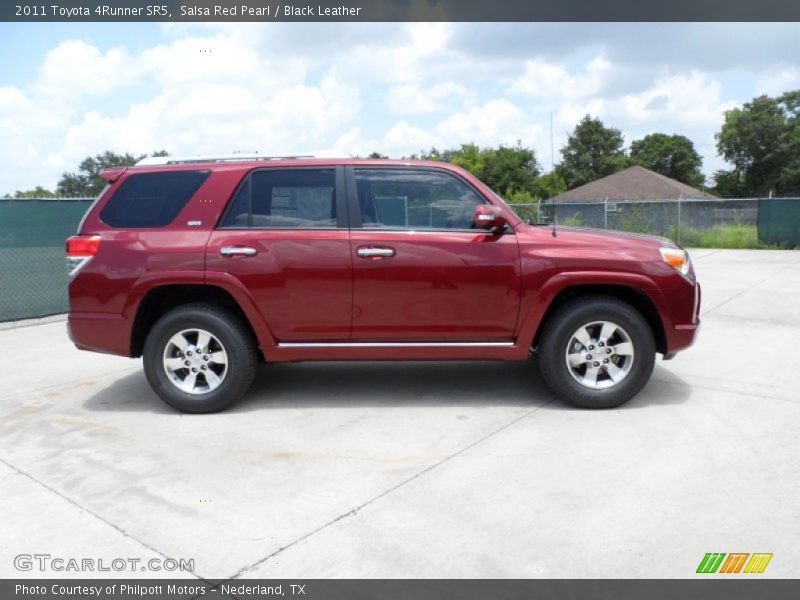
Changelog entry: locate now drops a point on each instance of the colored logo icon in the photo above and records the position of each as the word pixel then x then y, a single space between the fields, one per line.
pixel 735 562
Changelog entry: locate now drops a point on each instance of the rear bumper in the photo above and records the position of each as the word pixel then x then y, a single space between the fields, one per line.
pixel 100 332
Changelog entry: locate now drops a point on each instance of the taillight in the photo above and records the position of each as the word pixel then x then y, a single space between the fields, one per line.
pixel 80 250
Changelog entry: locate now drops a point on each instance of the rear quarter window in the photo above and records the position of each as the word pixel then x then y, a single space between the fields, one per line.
pixel 151 199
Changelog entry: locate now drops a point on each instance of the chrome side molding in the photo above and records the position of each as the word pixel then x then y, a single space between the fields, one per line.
pixel 395 344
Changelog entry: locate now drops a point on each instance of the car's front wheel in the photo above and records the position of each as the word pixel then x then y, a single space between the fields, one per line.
pixel 596 352
pixel 200 358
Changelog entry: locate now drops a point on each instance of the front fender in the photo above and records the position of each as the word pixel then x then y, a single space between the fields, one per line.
pixel 561 281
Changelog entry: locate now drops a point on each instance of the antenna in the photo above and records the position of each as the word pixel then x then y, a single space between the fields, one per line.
pixel 552 177
pixel 552 151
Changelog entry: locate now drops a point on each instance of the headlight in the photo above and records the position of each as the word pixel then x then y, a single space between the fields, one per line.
pixel 676 258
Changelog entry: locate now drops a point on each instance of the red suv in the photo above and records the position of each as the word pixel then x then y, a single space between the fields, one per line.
pixel 206 266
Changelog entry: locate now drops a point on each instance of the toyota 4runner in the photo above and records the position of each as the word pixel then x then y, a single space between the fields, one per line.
pixel 206 266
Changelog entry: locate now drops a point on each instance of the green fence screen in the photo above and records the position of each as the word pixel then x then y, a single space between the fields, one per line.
pixel 779 221
pixel 33 275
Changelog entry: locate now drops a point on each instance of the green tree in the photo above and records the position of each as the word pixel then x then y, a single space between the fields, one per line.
pixel 729 184
pixel 472 158
pixel 86 181
pixel 377 155
pixel 511 168
pixel 505 169
pixel 432 154
pixel 511 171
pixel 592 151
pixel 37 192
pixel 549 185
pixel 670 155
pixel 762 142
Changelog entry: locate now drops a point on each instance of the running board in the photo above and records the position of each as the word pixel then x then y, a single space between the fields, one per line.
pixel 396 345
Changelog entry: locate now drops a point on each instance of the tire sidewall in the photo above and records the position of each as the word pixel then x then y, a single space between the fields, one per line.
pixel 558 336
pixel 218 323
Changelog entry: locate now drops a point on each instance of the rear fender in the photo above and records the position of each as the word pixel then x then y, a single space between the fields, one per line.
pixel 223 281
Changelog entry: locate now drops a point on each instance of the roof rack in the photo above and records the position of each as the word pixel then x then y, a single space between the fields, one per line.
pixel 176 160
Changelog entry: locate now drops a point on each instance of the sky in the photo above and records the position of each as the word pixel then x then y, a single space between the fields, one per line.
pixel 69 90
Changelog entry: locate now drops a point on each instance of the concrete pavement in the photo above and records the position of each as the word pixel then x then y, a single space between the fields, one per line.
pixel 419 469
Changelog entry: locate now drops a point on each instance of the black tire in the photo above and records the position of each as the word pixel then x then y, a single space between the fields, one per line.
pixel 555 338
pixel 233 335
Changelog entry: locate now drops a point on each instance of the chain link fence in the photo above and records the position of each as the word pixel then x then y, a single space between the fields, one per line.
pixel 33 274
pixel 736 223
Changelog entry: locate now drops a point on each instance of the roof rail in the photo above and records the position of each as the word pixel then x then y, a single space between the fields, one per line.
pixel 177 160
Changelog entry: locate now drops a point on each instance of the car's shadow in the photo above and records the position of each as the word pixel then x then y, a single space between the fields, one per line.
pixel 348 384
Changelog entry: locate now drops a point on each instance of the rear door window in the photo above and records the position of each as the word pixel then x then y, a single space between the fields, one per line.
pixel 285 199
pixel 151 199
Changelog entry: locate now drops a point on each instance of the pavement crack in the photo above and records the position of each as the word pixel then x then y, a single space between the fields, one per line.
pixel 702 256
pixel 354 511
pixel 695 385
pixel 90 512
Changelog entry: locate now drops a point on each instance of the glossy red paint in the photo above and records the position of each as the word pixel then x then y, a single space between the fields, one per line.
pixel 311 287
pixel 436 286
pixel 301 280
pixel 580 257
pixel 112 174
pixel 490 217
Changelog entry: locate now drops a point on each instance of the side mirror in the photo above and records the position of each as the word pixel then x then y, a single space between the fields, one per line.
pixel 489 217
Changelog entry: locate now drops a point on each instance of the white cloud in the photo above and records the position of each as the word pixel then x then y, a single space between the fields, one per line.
pixel 776 82
pixel 356 88
pixel 496 121
pixel 75 68
pixel 414 99
pixel 26 127
pixel 542 79
pixel 690 104
pixel 689 101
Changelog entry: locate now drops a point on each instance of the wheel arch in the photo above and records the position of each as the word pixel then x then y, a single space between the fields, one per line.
pixel 160 299
pixel 631 292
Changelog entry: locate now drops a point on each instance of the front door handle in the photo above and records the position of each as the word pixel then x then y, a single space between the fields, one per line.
pixel 375 253
pixel 238 251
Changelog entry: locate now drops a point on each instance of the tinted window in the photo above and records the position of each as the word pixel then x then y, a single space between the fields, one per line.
pixel 151 199
pixel 414 199
pixel 285 199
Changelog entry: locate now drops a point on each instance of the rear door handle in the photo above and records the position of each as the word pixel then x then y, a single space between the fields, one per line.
pixel 238 251
pixel 375 253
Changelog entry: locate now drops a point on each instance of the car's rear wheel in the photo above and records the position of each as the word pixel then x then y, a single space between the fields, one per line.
pixel 596 352
pixel 200 358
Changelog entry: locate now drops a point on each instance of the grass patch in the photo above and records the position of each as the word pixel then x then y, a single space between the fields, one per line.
pixel 735 236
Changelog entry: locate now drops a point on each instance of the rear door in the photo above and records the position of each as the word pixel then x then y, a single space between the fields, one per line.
pixel 421 272
pixel 284 237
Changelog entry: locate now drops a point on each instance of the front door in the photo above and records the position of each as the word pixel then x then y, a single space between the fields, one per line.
pixel 421 272
pixel 285 238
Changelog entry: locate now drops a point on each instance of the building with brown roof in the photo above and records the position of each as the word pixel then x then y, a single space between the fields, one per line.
pixel 634 183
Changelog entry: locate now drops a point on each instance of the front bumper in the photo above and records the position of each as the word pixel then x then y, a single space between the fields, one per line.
pixel 682 335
